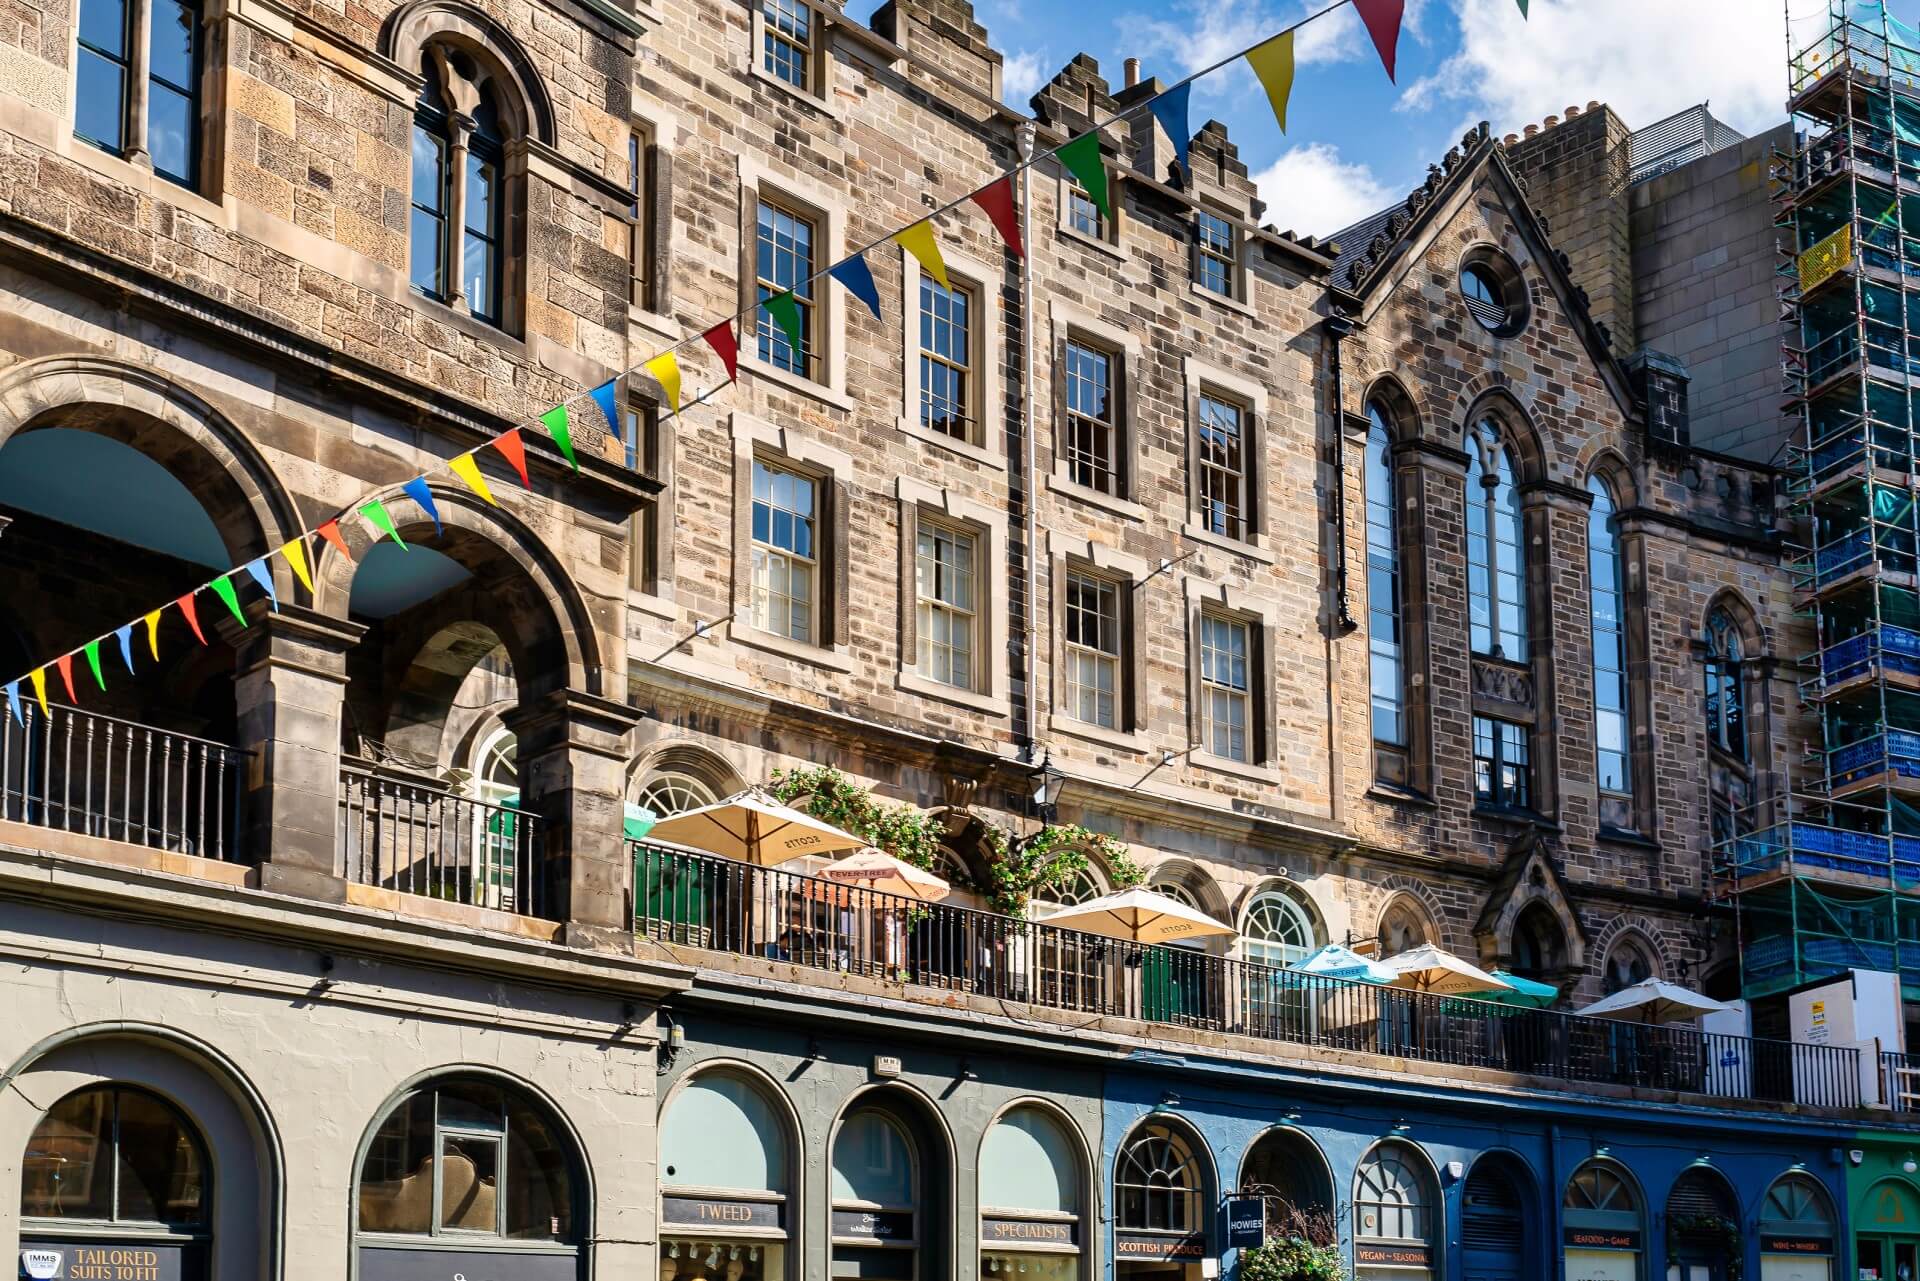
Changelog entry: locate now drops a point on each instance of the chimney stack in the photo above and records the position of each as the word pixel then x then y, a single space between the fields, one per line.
pixel 1132 72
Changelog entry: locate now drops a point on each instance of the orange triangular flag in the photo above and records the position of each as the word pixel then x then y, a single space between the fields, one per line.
pixel 65 665
pixel 296 554
pixel 331 532
pixel 466 469
pixel 193 620
pixel 514 450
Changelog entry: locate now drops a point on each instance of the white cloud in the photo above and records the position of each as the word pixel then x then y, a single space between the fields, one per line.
pixel 1311 190
pixel 1644 58
pixel 1210 30
pixel 1024 75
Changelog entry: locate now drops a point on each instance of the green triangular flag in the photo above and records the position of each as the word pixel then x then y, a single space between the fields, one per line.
pixel 1523 8
pixel 223 588
pixel 93 661
pixel 376 514
pixel 1082 159
pixel 555 421
pixel 786 314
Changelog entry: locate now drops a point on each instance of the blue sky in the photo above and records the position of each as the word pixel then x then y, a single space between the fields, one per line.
pixel 1356 142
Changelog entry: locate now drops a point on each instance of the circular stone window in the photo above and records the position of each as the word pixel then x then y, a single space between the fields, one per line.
pixel 1494 292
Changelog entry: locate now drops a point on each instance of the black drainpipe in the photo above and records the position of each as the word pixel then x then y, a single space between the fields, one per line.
pixel 1337 326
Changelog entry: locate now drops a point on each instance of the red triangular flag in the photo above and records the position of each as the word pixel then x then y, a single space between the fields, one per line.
pixel 726 346
pixel 65 664
pixel 331 532
pixel 997 200
pixel 193 620
pixel 1383 24
pixel 514 450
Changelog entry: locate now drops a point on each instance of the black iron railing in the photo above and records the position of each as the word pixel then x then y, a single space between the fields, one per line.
pixel 100 775
pixel 416 837
pixel 695 899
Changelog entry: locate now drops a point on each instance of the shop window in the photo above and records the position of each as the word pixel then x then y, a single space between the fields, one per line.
pixel 877 1225
pixel 1604 1225
pixel 1797 1231
pixel 1394 1216
pixel 725 1174
pixel 1496 1231
pixel 113 58
pixel 1160 1203
pixel 466 1163
pixel 1287 1172
pixel 1703 1219
pixel 110 1167
pixel 1030 1198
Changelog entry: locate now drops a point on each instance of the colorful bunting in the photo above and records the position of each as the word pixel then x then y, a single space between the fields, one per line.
pixel 417 490
pixel 918 240
pixel 263 579
pixel 1383 24
pixel 64 664
pixel 1082 159
pixel 603 396
pixel 295 553
pixel 193 620
pixel 469 471
pixel 555 421
pixel 330 531
pixel 152 620
pixel 726 346
pixel 13 702
pixel 223 588
pixel 92 651
pixel 997 201
pixel 125 636
pixel 665 369
pixel 39 678
pixel 858 278
pixel 376 515
pixel 514 450
pixel 1170 109
pixel 786 314
pixel 1273 63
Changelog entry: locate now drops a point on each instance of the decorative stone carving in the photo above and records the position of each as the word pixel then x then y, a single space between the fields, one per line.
pixel 1505 686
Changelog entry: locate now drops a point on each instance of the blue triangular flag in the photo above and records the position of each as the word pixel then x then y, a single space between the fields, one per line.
pixel 858 278
pixel 417 490
pixel 603 397
pixel 257 571
pixel 126 645
pixel 1170 109
pixel 13 701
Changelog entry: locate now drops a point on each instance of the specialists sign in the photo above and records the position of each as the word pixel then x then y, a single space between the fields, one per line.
pixel 103 1261
pixel 1031 1234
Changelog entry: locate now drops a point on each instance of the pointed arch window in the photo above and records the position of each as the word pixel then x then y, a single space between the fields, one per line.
pixel 161 126
pixel 1388 673
pixel 1606 578
pixel 1725 695
pixel 461 188
pixel 1496 548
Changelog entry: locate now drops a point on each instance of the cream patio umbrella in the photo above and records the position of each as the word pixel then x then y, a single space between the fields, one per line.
pixel 1138 916
pixel 754 828
pixel 1429 969
pixel 1655 1001
pixel 876 870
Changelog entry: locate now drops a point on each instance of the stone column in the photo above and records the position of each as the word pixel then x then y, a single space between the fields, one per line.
pixel 573 769
pixel 288 694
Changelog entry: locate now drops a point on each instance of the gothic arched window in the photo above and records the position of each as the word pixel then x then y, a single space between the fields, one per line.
pixel 1496 548
pixel 1383 586
pixel 1606 577
pixel 462 132
pixel 1726 700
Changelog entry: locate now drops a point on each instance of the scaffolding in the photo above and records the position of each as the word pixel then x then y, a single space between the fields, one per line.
pixel 1827 877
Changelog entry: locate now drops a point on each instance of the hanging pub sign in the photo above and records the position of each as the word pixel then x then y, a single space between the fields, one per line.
pixel 1603 1238
pixel 1392 1255
pixel 720 1213
pixel 1030 1234
pixel 400 1263
pixel 1246 1222
pixel 103 1261
pixel 1157 1247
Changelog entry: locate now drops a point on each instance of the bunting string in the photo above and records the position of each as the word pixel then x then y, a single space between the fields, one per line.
pixel 1271 60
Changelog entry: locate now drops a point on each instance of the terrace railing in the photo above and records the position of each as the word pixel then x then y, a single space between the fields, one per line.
pixel 102 776
pixel 414 836
pixel 685 897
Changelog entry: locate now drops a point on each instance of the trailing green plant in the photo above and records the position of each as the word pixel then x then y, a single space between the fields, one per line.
pixel 1050 859
pixel 830 796
pixel 1292 1258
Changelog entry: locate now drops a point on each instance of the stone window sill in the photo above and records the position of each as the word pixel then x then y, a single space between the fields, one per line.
pixel 1239 769
pixel 940 440
pixel 1398 796
pixel 1254 550
pixel 1222 300
pixel 791 381
pixel 818 101
pixel 1059 484
pixel 660 604
pixel 1106 247
pixel 1118 740
pixel 832 659
pixel 914 683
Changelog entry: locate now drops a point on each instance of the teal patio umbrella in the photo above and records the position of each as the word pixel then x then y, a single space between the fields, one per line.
pixel 1336 962
pixel 1523 992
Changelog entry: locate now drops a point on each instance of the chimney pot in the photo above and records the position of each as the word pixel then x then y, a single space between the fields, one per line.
pixel 1552 121
pixel 1571 112
pixel 1132 66
pixel 1594 105
pixel 1510 139
pixel 1532 130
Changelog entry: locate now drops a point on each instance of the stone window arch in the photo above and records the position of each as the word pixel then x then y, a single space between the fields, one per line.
pixel 1277 928
pixel 1631 959
pixel 1404 925
pixel 681 777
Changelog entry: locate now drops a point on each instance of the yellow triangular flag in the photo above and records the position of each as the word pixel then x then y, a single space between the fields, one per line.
pixel 466 469
pixel 153 632
pixel 1273 63
pixel 666 370
pixel 918 240
pixel 39 678
pixel 296 554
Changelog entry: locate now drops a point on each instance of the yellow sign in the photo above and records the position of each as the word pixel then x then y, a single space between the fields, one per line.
pixel 1825 258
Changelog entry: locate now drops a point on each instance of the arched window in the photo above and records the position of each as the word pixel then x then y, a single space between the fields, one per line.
pixel 1628 963
pixel 725 1166
pixel 1158 1186
pixel 1796 1222
pixel 1403 927
pixel 1539 942
pixel 1496 548
pixel 1726 699
pixel 1394 1204
pixel 1497 1235
pixel 1086 884
pixel 1601 1211
pixel 1383 586
pixel 462 130
pixel 462 1160
pixel 1606 577
pixel 1288 1173
pixel 112 1164
pixel 877 1225
pixel 1030 1197
pixel 428 252
pixel 674 792
pixel 1701 1216
pixel 1277 931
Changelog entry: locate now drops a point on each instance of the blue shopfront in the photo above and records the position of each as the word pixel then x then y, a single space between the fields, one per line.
pixel 1420 1182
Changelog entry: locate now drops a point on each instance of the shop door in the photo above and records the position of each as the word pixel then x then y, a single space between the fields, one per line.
pixel 1493 1228
pixel 1888 1258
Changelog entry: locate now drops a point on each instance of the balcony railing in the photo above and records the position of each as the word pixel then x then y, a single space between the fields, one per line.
pixel 1900 1081
pixel 413 836
pixel 98 775
pixel 683 897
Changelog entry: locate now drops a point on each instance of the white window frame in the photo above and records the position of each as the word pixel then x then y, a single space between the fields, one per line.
pixel 828 211
pixel 988 338
pixel 1069 322
pixel 1213 691
pixel 923 502
pixel 1206 379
